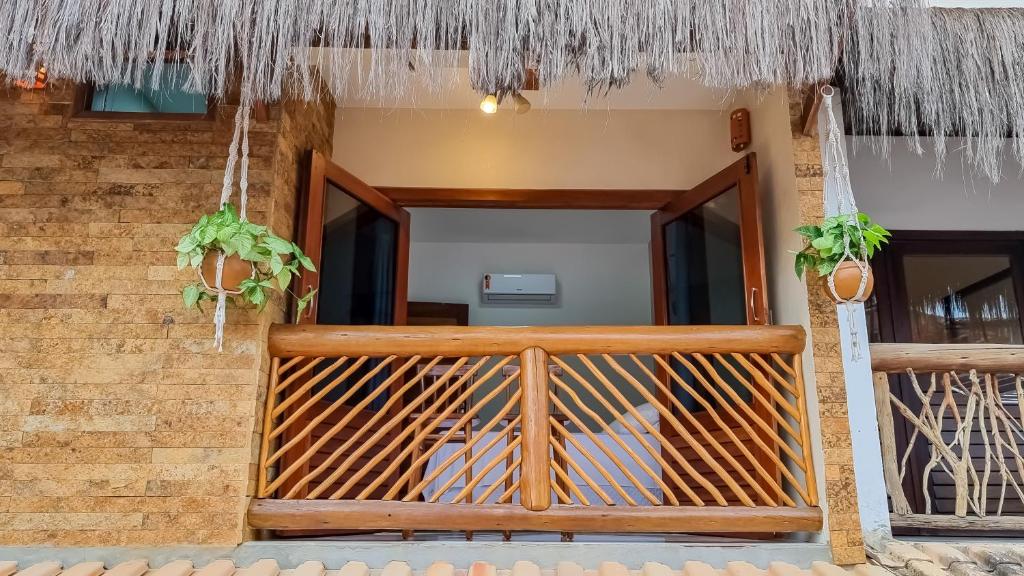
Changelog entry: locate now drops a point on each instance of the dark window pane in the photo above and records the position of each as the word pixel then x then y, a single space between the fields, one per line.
pixel 705 264
pixel 961 299
pixel 357 280
pixel 171 97
pixel 704 275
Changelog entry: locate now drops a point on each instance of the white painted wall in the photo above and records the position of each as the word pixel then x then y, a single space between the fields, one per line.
pixel 903 192
pixel 601 260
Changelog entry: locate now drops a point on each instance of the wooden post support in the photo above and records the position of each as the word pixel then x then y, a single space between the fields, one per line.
pixel 887 435
pixel 535 487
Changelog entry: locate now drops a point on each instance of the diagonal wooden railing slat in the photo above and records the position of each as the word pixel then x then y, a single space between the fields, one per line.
pixel 536 428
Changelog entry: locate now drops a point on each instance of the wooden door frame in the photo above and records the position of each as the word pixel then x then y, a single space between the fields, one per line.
pixel 742 173
pixel 894 318
pixel 532 198
pixel 321 171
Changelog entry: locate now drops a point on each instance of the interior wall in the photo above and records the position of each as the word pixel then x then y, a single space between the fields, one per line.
pixel 904 192
pixel 600 258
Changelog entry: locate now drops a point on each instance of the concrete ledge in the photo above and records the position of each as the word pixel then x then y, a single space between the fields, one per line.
pixel 419 555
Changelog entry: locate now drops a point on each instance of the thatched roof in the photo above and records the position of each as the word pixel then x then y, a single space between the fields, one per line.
pixel 943 71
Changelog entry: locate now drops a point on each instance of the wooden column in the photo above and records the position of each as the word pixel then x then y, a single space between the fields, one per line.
pixel 535 487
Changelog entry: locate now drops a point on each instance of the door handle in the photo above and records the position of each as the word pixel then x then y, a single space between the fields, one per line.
pixel 753 305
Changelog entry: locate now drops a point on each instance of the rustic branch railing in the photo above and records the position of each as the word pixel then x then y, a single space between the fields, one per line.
pixel 651 429
pixel 956 411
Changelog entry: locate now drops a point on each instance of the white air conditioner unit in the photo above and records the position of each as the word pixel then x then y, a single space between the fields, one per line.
pixel 514 288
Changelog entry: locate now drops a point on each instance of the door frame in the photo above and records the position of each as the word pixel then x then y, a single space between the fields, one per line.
pixel 741 174
pixel 321 171
pixel 893 318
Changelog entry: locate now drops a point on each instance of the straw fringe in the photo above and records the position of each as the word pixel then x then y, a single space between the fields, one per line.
pixel 946 71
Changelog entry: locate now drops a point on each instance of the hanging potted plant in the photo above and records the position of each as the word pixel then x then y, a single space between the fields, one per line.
pixel 256 262
pixel 839 249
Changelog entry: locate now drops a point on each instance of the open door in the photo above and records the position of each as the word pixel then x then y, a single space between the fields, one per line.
pixel 358 240
pixel 708 268
pixel 707 252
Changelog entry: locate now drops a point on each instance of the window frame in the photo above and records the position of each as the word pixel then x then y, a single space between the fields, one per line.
pixel 82 103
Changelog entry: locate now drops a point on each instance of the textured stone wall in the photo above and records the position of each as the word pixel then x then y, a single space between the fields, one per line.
pixel 840 485
pixel 119 423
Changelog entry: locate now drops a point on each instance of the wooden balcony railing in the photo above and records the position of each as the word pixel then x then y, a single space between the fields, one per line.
pixel 583 429
pixel 952 435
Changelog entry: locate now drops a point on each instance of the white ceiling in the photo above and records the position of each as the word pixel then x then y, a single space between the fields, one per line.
pixel 447 87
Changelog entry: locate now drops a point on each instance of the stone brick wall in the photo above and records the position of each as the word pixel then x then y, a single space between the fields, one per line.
pixel 840 487
pixel 119 423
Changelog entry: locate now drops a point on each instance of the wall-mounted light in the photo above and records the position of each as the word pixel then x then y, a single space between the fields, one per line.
pixel 489 105
pixel 38 84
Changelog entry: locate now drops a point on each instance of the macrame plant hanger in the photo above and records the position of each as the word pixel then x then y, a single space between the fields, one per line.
pixel 241 134
pixel 838 200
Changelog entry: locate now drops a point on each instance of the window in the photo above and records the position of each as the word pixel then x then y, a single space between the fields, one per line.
pixel 172 98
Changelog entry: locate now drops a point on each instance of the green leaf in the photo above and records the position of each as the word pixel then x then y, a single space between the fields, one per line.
pixel 825 268
pixel 284 278
pixel 187 243
pixel 183 260
pixel 303 302
pixel 243 245
pixel 809 231
pixel 209 235
pixel 227 232
pixel 276 264
pixel 191 294
pixel 822 243
pixel 801 263
pixel 258 297
pixel 196 258
pixel 277 245
pixel 306 263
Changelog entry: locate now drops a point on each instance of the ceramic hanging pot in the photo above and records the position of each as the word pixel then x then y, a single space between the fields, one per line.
pixel 235 271
pixel 847 281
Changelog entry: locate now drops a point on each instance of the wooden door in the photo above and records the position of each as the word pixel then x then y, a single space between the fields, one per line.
pixel 707 263
pixel 358 240
pixel 948 287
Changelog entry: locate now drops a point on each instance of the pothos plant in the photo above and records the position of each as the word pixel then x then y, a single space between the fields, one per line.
pixel 825 244
pixel 274 260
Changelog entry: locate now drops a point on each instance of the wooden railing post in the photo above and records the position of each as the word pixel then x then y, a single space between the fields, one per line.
pixel 535 486
pixel 887 435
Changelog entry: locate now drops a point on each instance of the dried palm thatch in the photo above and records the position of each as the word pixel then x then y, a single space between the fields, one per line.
pixel 263 42
pixel 940 73
pixel 911 68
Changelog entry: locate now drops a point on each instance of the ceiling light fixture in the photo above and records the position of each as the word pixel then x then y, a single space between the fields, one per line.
pixel 520 103
pixel 489 105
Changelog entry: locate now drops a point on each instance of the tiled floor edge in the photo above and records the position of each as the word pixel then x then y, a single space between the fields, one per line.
pixel 420 555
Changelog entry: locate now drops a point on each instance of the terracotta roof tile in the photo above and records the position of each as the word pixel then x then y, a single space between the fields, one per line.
pixel 269 567
pixel 948 559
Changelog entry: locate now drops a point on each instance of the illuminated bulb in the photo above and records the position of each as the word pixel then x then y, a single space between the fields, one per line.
pixel 489 104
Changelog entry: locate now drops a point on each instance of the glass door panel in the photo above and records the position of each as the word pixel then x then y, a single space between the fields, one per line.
pixel 961 299
pixel 704 264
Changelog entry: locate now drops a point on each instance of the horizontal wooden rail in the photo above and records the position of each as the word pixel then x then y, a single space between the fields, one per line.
pixel 289 340
pixel 955 357
pixel 335 514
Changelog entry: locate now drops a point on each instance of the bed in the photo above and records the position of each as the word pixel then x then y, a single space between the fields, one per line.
pixel 494 475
